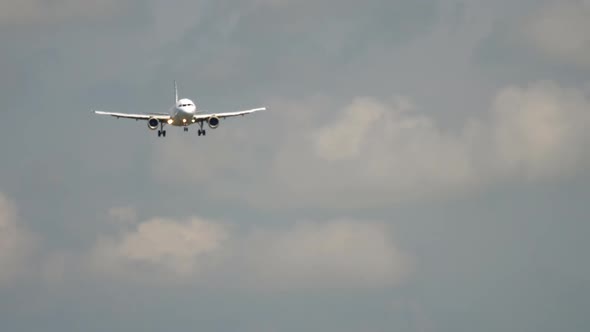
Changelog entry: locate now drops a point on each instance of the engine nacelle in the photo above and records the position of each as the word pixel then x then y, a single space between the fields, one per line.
pixel 153 123
pixel 213 122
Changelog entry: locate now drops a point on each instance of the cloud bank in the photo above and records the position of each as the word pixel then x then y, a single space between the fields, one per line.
pixel 372 152
pixel 306 255
pixel 559 30
pixel 17 243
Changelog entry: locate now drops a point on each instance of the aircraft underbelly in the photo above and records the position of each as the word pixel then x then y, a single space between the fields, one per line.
pixel 182 118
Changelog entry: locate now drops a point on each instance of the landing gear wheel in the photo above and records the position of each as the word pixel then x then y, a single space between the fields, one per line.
pixel 185 129
pixel 159 133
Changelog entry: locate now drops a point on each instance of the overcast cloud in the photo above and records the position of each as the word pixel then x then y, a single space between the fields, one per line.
pixel 423 166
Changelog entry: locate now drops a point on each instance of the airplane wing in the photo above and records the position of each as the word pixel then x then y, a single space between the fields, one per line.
pixel 201 117
pixel 158 116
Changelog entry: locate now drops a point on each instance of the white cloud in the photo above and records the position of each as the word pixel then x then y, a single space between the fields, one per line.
pixel 341 253
pixel 391 151
pixel 541 131
pixel 16 243
pixel 343 140
pixel 176 247
pixel 559 30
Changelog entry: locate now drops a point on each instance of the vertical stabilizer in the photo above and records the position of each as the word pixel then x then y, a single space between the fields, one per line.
pixel 175 92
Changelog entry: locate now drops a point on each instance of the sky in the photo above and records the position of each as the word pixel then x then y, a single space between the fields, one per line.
pixel 423 166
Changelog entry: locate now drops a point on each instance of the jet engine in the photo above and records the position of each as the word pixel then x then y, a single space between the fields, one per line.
pixel 153 123
pixel 213 122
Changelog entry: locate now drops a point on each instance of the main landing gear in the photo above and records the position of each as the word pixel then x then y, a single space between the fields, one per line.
pixel 161 132
pixel 201 131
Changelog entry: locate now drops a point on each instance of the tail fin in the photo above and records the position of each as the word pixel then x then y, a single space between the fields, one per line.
pixel 175 92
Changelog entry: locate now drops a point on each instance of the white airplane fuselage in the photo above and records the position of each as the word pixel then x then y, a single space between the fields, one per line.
pixel 182 114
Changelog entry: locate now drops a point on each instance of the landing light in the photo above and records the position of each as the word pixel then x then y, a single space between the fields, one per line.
pixel 170 121
pixel 183 120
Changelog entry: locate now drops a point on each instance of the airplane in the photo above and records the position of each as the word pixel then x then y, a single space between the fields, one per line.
pixel 183 114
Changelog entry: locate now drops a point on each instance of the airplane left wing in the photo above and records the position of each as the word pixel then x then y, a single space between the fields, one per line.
pixel 161 117
pixel 201 117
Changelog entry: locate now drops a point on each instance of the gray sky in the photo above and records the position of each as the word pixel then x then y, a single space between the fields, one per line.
pixel 423 168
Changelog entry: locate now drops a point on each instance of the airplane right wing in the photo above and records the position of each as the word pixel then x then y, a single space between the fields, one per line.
pixel 160 117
